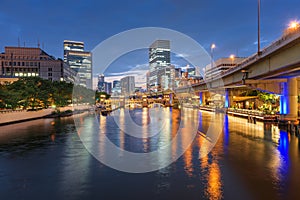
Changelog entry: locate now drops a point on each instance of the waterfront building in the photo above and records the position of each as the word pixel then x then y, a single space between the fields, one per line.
pixel 80 61
pixel 31 62
pixel 159 58
pixel 127 85
pixel 69 75
pixel 220 66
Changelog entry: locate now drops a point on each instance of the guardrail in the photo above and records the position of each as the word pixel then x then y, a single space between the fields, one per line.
pixel 253 113
pixel 11 111
pixel 277 44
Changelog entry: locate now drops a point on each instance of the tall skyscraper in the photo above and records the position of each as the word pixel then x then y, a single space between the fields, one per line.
pixel 79 60
pixel 159 58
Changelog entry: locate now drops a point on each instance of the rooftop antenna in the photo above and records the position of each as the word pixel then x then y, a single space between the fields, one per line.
pixel 24 44
pixel 18 41
pixel 42 45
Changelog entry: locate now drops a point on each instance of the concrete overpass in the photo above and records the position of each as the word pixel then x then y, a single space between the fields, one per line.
pixel 274 69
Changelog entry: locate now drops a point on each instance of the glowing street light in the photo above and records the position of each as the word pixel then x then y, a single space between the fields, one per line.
pixel 294 25
pixel 232 58
pixel 212 47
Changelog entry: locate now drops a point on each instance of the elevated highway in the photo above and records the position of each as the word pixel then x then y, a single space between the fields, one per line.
pixel 275 69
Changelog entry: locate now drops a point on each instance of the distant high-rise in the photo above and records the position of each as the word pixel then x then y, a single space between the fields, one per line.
pixel 101 83
pixel 167 77
pixel 191 71
pixel 79 60
pixel 107 87
pixel 116 90
pixel 116 84
pixel 159 58
pixel 127 85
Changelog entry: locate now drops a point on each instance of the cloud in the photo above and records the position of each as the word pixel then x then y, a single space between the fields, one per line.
pixel 262 41
pixel 182 55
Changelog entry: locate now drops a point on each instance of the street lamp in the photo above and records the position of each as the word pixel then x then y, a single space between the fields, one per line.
pixel 212 47
pixel 294 25
pixel 258 27
pixel 232 58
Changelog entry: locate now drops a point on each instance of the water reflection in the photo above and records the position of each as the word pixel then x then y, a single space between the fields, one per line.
pixel 249 159
pixel 211 170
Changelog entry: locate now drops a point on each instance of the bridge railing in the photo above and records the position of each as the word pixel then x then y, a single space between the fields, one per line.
pixel 277 44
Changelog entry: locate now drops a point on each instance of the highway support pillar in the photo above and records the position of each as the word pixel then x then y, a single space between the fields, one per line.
pixel 289 100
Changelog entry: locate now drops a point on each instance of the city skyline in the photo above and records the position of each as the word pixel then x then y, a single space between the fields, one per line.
pixel 231 25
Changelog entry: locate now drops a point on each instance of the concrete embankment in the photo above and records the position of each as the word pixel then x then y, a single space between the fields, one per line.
pixel 22 116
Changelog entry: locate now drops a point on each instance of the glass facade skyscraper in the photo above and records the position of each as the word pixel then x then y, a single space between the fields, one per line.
pixel 159 58
pixel 80 61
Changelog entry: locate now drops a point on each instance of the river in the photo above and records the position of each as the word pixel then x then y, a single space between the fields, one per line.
pixel 51 159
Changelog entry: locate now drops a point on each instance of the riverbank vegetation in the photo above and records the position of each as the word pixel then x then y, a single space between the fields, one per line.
pixel 34 93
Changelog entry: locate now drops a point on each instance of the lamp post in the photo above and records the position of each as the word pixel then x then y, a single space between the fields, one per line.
pixel 258 27
pixel 232 58
pixel 212 47
pixel 294 25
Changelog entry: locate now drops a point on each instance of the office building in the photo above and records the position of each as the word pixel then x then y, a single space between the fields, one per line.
pixel 127 85
pixel 178 73
pixel 80 61
pixel 220 66
pixel 116 84
pixel 108 88
pixel 101 83
pixel 167 77
pixel 31 62
pixel 159 58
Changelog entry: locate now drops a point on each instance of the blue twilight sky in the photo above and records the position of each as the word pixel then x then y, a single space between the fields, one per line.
pixel 231 24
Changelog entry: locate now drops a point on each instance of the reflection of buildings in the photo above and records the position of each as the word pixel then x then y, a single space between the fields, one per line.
pixel 159 59
pixel 31 62
pixel 79 60
pixel 127 85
